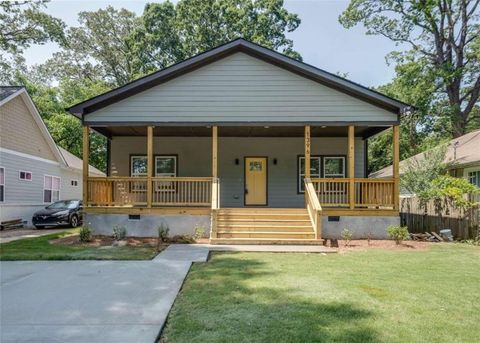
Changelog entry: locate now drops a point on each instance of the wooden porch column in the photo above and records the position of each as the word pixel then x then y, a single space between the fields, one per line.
pixel 307 158
pixel 307 151
pixel 351 166
pixel 215 151
pixel 396 166
pixel 86 153
pixel 149 166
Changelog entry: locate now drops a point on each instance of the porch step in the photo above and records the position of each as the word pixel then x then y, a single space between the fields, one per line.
pixel 266 241
pixel 264 226
pixel 266 234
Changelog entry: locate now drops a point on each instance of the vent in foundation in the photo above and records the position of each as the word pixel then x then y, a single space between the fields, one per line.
pixel 333 218
pixel 133 217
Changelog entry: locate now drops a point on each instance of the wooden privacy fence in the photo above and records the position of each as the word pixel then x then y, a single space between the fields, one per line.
pixel 436 216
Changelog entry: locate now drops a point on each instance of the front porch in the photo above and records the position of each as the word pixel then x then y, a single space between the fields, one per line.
pixel 295 161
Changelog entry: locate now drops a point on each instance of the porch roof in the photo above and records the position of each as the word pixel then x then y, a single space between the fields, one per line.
pixel 252 130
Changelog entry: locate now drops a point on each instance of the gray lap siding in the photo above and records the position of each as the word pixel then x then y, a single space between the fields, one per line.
pixel 194 159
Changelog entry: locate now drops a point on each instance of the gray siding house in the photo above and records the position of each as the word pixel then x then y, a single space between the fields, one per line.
pixel 245 142
pixel 34 171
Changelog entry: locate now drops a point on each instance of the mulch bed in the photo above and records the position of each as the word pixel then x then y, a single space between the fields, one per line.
pixel 100 241
pixel 364 245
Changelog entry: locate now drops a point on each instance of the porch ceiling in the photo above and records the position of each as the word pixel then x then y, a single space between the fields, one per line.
pixel 240 131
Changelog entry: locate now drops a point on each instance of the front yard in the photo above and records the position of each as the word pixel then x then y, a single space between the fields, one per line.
pixel 58 247
pixel 369 296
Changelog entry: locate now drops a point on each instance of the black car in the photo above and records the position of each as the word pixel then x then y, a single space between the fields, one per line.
pixel 60 213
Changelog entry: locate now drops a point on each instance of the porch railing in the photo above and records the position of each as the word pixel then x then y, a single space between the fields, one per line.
pixel 314 208
pixel 132 191
pixel 368 193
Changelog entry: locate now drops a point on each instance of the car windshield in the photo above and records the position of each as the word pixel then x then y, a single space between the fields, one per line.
pixel 64 204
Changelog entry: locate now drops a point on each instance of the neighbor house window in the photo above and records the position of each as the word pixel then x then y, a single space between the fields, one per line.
pixel 474 178
pixel 51 188
pixel 333 166
pixel 74 183
pixel 2 184
pixel 314 170
pixel 25 175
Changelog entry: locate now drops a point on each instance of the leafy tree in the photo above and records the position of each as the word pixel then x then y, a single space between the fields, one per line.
pixel 420 171
pixel 452 190
pixel 170 33
pixel 442 33
pixel 22 23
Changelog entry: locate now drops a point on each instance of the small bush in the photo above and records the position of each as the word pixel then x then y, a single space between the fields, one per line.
pixel 346 236
pixel 398 233
pixel 85 234
pixel 119 232
pixel 199 232
pixel 163 231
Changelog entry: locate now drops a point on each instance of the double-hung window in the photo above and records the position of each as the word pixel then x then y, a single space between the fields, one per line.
pixel 165 166
pixel 315 163
pixel 320 166
pixel 2 184
pixel 51 188
pixel 333 166
pixel 474 178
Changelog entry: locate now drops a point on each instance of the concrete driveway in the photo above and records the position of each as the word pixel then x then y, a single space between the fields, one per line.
pixel 92 301
pixel 14 235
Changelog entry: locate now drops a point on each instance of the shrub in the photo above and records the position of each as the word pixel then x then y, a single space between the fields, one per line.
pixel 346 236
pixel 199 232
pixel 398 233
pixel 163 232
pixel 85 234
pixel 119 232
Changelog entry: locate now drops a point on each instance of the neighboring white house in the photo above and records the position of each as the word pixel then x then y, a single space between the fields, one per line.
pixel 462 157
pixel 34 171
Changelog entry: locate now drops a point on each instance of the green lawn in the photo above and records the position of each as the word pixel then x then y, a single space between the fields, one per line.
pixel 39 248
pixel 372 296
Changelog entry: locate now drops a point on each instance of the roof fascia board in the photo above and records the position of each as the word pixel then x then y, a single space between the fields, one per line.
pixel 41 125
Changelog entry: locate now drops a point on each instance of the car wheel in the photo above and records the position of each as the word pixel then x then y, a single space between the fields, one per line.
pixel 74 221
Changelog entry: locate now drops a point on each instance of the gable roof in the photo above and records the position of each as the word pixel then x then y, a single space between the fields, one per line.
pixel 254 50
pixel 462 152
pixel 7 91
pixel 65 158
pixel 74 162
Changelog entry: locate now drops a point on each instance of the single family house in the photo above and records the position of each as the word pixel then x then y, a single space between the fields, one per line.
pixel 251 145
pixel 34 171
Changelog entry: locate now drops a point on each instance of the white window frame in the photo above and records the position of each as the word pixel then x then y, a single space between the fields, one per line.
pixel 25 173
pixel 301 176
pixel 132 174
pixel 3 184
pixel 51 190
pixel 333 175
pixel 165 186
pixel 470 177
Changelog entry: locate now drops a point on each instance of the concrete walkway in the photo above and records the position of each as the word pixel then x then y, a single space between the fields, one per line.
pixel 92 301
pixel 16 234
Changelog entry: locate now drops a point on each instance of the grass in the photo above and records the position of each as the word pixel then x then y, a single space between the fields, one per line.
pixel 371 296
pixel 39 248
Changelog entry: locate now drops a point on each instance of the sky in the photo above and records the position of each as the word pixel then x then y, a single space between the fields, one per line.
pixel 320 39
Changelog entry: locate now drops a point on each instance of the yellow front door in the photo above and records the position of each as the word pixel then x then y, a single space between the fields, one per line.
pixel 256 181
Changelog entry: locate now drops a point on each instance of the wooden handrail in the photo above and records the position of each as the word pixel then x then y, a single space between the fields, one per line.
pixel 367 193
pixel 314 208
